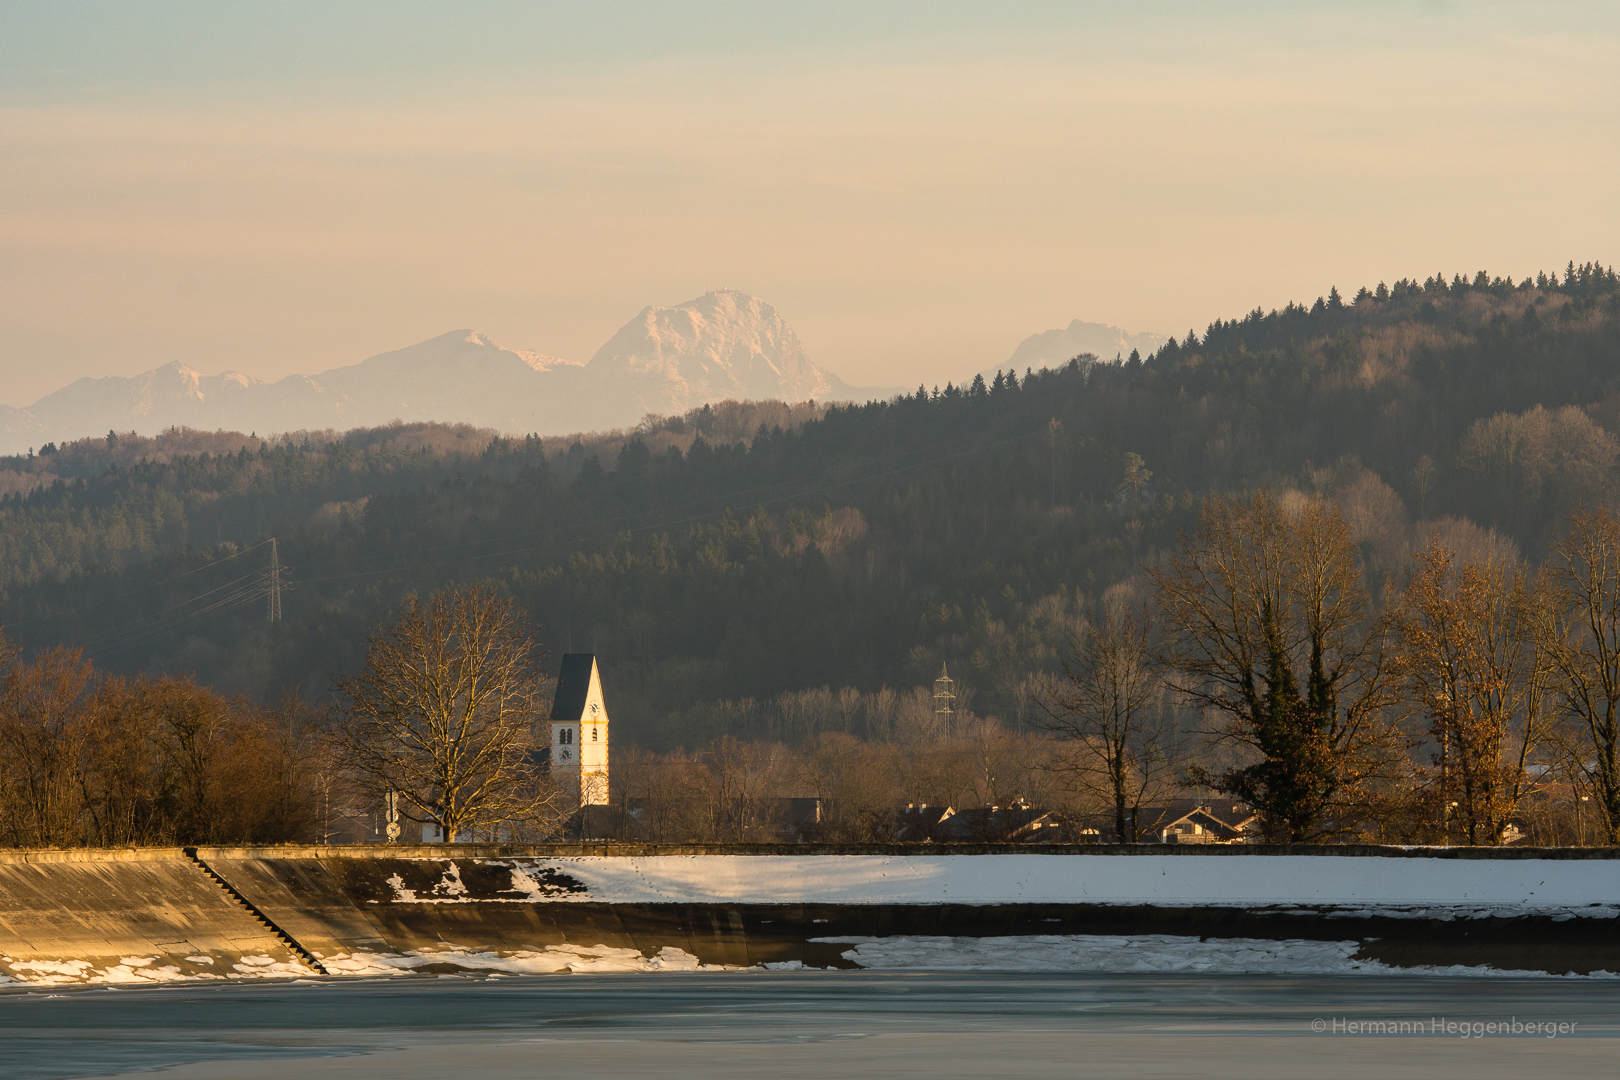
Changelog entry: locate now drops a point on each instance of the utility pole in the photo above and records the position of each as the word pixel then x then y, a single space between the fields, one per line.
pixel 275 584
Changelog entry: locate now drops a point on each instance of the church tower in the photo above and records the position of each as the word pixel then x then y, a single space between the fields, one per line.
pixel 579 729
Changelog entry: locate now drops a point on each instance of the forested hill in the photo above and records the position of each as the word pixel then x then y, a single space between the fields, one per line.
pixel 745 550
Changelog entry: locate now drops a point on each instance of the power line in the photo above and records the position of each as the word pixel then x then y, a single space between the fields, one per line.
pixel 238 589
pixel 144 588
pixel 173 620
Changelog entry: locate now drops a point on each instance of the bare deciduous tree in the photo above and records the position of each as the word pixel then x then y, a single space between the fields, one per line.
pixel 1539 447
pixel 1477 658
pixel 1271 628
pixel 1121 744
pixel 743 777
pixel 40 744
pixel 193 727
pixel 123 769
pixel 87 759
pixel 443 712
pixel 660 797
pixel 855 782
pixel 1586 565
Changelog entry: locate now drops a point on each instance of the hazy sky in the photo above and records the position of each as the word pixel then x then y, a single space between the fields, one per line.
pixel 918 186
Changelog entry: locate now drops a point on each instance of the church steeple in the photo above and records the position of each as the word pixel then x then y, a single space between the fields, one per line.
pixel 579 729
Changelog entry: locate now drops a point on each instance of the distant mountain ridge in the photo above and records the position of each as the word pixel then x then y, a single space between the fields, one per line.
pixel 1053 348
pixel 724 344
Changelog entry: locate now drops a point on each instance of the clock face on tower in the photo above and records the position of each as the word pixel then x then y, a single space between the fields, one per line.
pixel 595 708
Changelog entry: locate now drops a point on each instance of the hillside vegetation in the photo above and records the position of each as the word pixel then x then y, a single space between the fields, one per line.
pixel 728 563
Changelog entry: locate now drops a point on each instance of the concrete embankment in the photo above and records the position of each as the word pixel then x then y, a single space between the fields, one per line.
pixel 138 915
pixel 370 910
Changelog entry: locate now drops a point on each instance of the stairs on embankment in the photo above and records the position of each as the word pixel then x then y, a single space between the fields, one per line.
pixel 303 954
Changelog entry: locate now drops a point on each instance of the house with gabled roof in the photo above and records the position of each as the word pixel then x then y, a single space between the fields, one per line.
pixel 1016 823
pixel 1197 821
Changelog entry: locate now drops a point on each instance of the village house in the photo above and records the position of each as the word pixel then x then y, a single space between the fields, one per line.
pixel 1192 821
pixel 1015 823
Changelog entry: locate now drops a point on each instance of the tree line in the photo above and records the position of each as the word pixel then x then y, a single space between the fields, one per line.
pixel 94 759
pixel 1477 703
pixel 1476 690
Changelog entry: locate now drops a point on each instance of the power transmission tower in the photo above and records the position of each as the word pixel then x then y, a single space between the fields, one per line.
pixel 944 702
pixel 275 583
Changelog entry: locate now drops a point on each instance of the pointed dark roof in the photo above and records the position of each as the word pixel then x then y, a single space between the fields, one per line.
pixel 573 685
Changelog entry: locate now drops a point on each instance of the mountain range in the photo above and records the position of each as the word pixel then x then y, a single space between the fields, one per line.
pixel 666 360
pixel 1055 347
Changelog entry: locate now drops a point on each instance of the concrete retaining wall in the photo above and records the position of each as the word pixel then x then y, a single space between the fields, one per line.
pixel 369 910
pixel 133 916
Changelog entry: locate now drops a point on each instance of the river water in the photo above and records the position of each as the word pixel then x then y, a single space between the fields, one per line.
pixel 824 1024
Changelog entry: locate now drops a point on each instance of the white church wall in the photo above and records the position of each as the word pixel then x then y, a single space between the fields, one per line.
pixel 579 744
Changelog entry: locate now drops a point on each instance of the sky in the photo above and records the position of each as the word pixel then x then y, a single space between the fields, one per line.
pixel 916 186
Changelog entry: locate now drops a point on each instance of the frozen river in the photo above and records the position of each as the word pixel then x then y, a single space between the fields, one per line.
pixel 831 1024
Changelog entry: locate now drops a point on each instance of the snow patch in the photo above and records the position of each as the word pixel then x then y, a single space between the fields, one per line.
pixel 140 972
pixel 449 890
pixel 364 963
pixel 450 885
pixel 401 893
pixel 129 971
pixel 1451 913
pixel 549 960
pixel 265 967
pixel 1153 953
pixel 49 972
pixel 539 885
pixel 1140 953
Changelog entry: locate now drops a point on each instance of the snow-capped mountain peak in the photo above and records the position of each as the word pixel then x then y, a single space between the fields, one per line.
pixel 724 344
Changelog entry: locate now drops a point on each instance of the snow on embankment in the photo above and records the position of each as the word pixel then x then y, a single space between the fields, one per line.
pixel 785 906
pixel 1350 883
pixel 134 917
